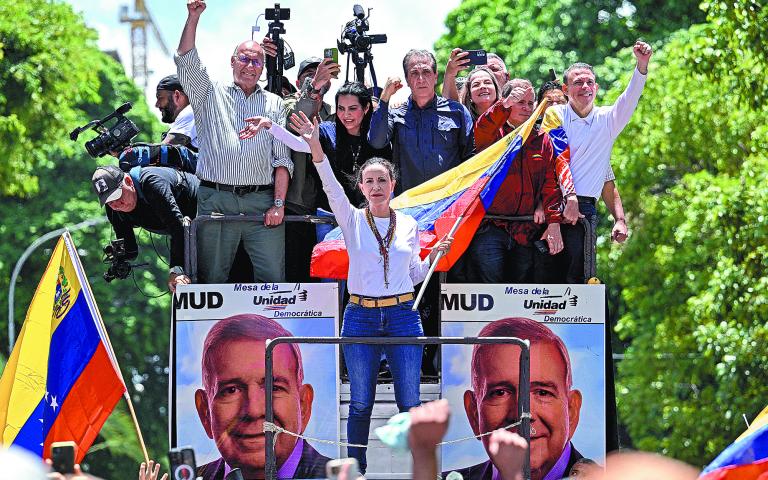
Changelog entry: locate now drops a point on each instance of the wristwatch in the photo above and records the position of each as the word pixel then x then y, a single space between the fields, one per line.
pixel 279 203
pixel 177 270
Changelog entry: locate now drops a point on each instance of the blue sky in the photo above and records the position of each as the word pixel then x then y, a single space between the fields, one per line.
pixel 313 27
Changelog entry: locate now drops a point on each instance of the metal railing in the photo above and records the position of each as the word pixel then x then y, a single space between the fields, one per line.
pixel 523 396
pixel 190 235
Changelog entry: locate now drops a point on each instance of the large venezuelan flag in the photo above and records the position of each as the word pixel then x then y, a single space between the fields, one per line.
pixel 744 459
pixel 466 192
pixel 61 381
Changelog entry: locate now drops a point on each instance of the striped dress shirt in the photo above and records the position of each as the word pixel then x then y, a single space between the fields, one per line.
pixel 220 113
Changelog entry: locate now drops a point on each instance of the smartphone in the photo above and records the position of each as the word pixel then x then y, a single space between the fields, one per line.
pixel 332 53
pixel 63 456
pixel 477 57
pixel 334 467
pixel 182 463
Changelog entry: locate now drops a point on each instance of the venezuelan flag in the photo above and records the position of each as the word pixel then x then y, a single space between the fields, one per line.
pixel 553 125
pixel 61 381
pixel 464 192
pixel 744 459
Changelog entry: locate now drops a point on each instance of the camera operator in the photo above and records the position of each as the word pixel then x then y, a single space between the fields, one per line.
pixel 154 198
pixel 174 106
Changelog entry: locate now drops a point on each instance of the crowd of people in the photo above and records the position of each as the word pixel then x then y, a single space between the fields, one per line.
pixel 263 155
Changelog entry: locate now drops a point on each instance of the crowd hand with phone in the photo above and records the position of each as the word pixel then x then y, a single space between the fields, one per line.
pixel 393 85
pixel 327 70
pixel 151 472
pixel 458 61
pixel 77 475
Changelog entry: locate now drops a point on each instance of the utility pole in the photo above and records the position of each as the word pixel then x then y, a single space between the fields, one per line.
pixel 140 20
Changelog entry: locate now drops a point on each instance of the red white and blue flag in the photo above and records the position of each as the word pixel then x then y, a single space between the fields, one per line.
pixel 61 381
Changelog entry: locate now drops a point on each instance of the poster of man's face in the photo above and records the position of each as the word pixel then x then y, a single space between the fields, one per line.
pixel 220 384
pixel 567 389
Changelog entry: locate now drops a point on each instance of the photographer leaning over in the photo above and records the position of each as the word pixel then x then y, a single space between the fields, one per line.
pixel 174 106
pixel 154 198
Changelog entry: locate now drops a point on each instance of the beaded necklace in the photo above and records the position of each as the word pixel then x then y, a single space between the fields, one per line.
pixel 385 242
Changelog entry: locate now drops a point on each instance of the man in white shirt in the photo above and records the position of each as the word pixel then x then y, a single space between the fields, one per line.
pixel 590 132
pixel 175 109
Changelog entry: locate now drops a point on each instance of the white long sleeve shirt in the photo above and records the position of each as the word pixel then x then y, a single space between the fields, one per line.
pixel 366 266
pixel 591 138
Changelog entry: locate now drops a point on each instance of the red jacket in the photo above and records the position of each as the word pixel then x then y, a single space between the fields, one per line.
pixel 531 178
pixel 492 126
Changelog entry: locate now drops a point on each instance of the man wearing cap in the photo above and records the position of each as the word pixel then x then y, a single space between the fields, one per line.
pixel 154 198
pixel 243 170
pixel 174 106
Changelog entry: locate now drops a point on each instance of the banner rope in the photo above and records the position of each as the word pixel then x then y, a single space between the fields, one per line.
pixel 271 427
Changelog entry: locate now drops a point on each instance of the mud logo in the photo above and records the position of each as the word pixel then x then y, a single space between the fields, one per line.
pixel 550 304
pixel 279 300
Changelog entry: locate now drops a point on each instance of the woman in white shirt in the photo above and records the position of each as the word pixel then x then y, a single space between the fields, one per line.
pixel 384 265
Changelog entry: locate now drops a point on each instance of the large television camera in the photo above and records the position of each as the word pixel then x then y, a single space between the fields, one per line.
pixel 356 43
pixel 110 139
pixel 354 38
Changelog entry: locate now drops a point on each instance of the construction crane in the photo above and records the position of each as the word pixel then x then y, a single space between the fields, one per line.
pixel 140 20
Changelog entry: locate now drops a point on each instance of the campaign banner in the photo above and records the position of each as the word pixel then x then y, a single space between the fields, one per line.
pixel 217 378
pixel 566 327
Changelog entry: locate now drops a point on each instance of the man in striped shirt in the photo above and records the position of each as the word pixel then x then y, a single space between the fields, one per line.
pixel 242 169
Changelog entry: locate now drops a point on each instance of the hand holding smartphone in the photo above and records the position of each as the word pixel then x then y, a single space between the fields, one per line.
pixel 63 456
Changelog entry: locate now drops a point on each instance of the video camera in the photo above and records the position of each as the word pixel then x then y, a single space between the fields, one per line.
pixel 115 255
pixel 110 139
pixel 353 37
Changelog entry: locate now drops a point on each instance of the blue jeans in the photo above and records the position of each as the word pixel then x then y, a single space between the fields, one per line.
pixel 363 365
pixel 496 257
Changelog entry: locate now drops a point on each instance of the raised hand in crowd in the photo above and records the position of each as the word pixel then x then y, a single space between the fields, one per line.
pixel 553 238
pixel 312 137
pixel 301 125
pixel 393 85
pixel 151 471
pixel 253 126
pixel 642 52
pixel 508 451
pixel 327 70
pixel 429 423
pixel 515 96
pixel 457 62
pixel 269 47
pixel 195 7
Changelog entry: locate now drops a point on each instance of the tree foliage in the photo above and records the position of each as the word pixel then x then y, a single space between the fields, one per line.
pixel 692 169
pixel 53 78
pixel 688 288
pixel 535 35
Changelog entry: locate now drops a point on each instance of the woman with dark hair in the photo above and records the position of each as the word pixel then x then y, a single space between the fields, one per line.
pixel 480 91
pixel 345 140
pixel 384 265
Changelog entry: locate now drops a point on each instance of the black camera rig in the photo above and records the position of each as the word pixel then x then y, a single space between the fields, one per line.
pixel 110 139
pixel 355 42
pixel 117 258
pixel 276 65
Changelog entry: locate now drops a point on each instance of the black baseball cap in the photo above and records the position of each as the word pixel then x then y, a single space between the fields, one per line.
pixel 107 182
pixel 309 62
pixel 171 82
